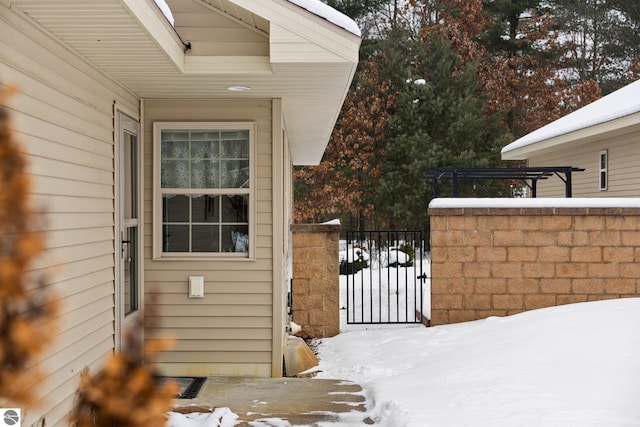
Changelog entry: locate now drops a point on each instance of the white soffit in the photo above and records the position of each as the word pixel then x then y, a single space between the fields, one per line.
pixel 107 34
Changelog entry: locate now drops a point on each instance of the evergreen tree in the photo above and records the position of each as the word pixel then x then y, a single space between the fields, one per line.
pixel 527 65
pixel 356 9
pixel 504 35
pixel 441 82
pixel 441 119
pixel 627 34
pixel 594 36
pixel 367 13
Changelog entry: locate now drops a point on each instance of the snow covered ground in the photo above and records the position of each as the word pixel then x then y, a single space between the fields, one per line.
pixel 390 294
pixel 573 365
pixel 220 417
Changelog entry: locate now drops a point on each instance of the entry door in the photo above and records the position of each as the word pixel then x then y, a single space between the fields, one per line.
pixel 128 241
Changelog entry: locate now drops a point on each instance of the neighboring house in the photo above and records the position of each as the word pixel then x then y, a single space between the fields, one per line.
pixel 161 152
pixel 602 137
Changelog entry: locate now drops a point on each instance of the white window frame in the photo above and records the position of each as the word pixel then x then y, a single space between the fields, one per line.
pixel 158 253
pixel 603 183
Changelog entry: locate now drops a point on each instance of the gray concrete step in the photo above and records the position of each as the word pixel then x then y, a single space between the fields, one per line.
pixel 300 401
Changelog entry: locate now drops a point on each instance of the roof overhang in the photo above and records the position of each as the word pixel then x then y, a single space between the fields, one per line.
pixel 609 129
pixel 277 49
pixel 612 115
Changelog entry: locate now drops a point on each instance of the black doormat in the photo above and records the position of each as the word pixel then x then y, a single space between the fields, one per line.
pixel 188 387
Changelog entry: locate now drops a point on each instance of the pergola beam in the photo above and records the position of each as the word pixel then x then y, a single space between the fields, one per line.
pixel 534 174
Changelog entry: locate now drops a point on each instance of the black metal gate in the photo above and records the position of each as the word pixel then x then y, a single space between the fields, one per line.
pixel 385 275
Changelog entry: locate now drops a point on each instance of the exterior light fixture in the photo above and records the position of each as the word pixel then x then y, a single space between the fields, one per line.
pixel 239 88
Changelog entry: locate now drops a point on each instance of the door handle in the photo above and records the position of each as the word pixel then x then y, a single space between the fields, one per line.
pixel 125 250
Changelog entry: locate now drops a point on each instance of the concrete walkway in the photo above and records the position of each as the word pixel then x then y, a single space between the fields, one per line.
pixel 270 401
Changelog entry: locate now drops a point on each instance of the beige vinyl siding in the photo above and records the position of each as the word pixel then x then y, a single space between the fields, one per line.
pixel 229 331
pixel 286 47
pixel 623 171
pixel 211 32
pixel 294 48
pixel 63 117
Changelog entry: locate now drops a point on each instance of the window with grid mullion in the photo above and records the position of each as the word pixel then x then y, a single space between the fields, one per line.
pixel 204 190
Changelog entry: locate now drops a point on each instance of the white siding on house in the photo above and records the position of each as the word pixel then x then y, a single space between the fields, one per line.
pixel 63 115
pixel 229 331
pixel 623 171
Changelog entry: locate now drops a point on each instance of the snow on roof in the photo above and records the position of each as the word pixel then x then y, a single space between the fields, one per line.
pixel 164 7
pixel 542 202
pixel 623 102
pixel 314 6
pixel 330 14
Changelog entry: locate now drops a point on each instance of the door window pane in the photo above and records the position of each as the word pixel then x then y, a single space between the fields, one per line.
pixel 130 249
pixel 130 174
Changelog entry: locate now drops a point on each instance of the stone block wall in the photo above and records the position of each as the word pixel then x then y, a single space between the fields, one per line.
pixel 504 260
pixel 315 281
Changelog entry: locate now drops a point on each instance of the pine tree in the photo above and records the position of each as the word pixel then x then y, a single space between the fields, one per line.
pixel 441 119
pixel 356 9
pixel 627 39
pixel 498 67
pixel 593 52
pixel 526 64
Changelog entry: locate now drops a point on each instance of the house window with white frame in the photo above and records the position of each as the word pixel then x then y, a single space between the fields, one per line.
pixel 203 189
pixel 603 170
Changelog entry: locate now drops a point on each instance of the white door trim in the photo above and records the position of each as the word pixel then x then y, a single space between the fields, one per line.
pixel 124 121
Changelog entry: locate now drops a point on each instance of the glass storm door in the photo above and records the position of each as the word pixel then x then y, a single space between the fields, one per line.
pixel 129 292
